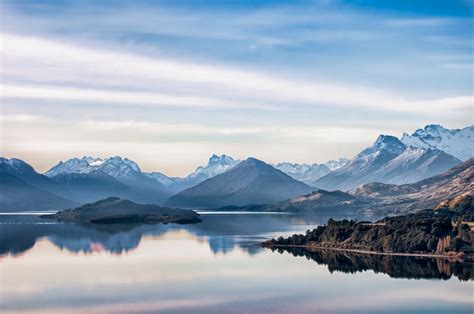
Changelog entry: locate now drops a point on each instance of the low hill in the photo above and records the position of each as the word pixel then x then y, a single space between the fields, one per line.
pixel 116 210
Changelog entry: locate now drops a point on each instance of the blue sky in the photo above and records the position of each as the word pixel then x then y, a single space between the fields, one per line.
pixel 167 83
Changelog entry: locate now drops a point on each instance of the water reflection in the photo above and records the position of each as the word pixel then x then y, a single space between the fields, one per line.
pixel 223 232
pixel 212 267
pixel 394 266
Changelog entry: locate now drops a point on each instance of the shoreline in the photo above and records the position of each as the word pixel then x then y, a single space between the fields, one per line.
pixel 316 248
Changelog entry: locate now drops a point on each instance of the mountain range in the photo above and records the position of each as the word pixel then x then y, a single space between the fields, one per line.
pixel 388 160
pixel 226 181
pixel 381 199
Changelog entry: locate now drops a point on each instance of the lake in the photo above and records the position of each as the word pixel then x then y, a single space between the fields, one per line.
pixel 211 267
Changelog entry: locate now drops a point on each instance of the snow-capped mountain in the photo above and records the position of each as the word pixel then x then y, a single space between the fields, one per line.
pixel 309 173
pixel 388 160
pixel 336 164
pixel 216 165
pixel 415 164
pixel 457 142
pixel 384 143
pixel 124 170
pixel 114 166
pixel 306 173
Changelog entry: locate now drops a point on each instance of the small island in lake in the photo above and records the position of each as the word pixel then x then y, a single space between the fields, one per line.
pixel 443 231
pixel 115 210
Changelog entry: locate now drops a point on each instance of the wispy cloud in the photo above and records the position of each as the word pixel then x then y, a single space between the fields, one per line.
pixel 28 59
pixel 420 22
pixel 276 81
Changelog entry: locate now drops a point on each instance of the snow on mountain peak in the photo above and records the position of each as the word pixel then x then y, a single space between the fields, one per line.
pixel 94 161
pixel 387 143
pixel 216 165
pixel 456 142
pixel 114 166
pixel 222 159
pixel 336 164
pixel 309 173
pixel 16 164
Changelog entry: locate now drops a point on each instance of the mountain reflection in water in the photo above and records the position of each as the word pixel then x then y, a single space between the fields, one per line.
pixel 211 267
pixel 223 233
pixel 408 267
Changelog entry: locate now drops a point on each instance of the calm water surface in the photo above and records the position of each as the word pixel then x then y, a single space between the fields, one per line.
pixel 211 267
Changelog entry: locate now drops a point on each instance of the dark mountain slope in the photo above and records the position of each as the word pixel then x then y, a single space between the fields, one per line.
pixel 93 186
pixel 18 195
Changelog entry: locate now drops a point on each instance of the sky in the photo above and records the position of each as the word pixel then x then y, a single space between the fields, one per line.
pixel 168 83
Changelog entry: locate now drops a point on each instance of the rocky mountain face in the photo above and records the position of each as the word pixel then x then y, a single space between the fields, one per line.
pixel 250 182
pixel 389 161
pixel 456 142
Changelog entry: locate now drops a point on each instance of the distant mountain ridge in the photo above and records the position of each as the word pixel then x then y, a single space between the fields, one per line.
pixel 250 182
pixel 309 173
pixel 88 179
pixel 388 160
pixel 216 165
pixel 115 166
